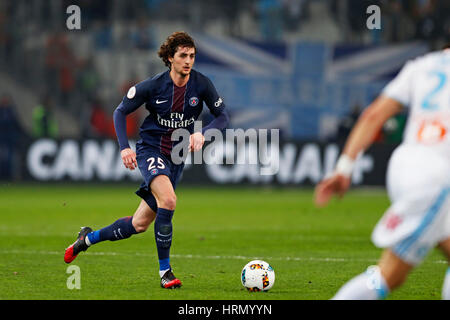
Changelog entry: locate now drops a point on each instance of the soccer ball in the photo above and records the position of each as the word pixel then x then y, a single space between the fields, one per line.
pixel 257 275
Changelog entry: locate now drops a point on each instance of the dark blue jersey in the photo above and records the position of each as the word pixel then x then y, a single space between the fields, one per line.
pixel 170 107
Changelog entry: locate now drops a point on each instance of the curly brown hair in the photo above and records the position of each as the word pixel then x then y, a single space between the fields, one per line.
pixel 170 46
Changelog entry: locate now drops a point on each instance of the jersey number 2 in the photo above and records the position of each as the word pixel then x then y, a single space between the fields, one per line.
pixel 427 103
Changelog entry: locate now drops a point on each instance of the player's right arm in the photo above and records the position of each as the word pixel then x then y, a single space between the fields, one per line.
pixel 136 96
pixel 361 137
pixel 394 96
pixel 369 124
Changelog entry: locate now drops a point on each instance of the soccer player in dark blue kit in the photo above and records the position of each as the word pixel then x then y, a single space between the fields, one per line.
pixel 175 100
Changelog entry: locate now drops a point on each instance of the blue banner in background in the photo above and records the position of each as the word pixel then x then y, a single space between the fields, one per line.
pixel 310 59
pixel 306 90
pixel 296 105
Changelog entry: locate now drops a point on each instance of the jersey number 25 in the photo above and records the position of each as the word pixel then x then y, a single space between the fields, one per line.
pixel 151 165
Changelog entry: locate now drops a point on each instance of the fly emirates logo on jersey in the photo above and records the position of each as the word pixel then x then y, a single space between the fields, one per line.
pixel 175 121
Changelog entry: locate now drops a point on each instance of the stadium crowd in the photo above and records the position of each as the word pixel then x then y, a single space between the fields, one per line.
pixel 45 59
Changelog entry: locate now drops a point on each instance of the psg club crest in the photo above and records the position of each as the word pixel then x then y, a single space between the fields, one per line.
pixel 193 101
pixel 153 172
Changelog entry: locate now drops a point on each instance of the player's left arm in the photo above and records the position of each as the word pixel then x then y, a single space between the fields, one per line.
pixel 216 106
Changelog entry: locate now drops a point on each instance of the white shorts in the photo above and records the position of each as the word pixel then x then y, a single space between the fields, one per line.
pixel 418 184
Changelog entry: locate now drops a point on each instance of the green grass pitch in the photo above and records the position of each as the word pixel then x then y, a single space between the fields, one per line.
pixel 216 232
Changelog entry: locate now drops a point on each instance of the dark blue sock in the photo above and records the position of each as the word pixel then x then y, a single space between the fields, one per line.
pixel 163 236
pixel 120 229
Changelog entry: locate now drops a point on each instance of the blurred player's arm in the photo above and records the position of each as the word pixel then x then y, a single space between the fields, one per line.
pixel 135 97
pixel 369 124
pixel 361 137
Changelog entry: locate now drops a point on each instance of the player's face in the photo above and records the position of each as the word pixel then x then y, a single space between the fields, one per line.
pixel 183 60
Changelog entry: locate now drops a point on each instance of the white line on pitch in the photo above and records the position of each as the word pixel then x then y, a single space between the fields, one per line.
pixel 209 257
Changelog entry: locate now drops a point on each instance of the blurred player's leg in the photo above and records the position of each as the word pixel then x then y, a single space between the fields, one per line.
pixel 358 289
pixel 393 269
pixel 376 283
pixel 164 193
pixel 445 247
pixel 446 286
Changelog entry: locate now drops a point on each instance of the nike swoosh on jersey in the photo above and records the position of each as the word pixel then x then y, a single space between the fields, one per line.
pixel 159 102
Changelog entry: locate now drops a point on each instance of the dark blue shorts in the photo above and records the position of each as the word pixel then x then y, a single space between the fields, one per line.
pixel 153 163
